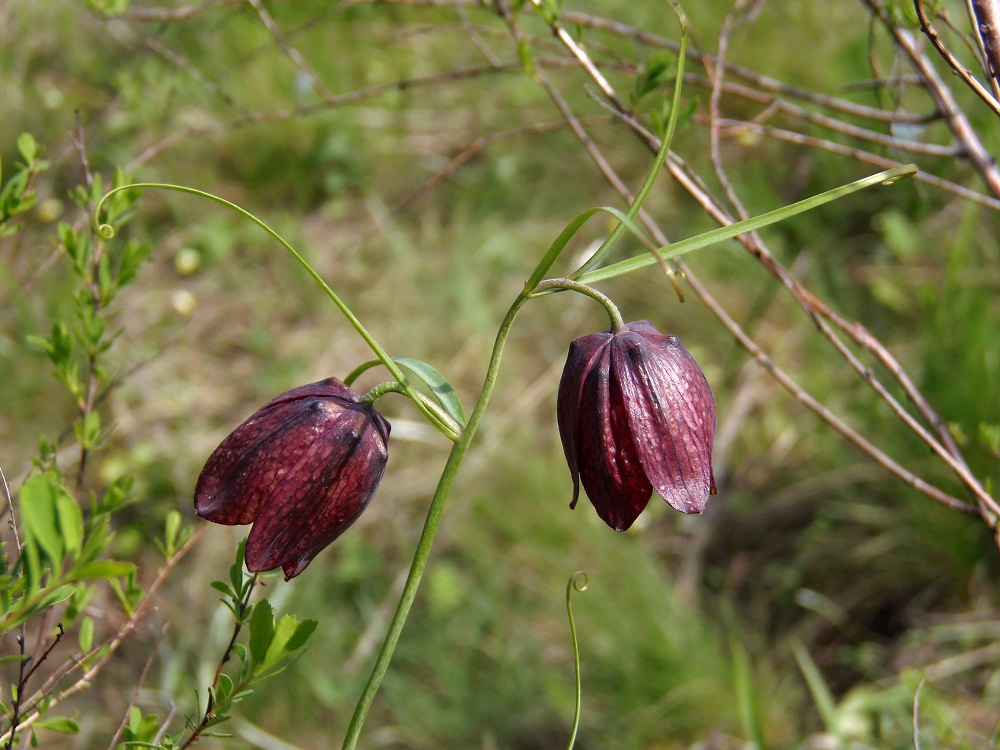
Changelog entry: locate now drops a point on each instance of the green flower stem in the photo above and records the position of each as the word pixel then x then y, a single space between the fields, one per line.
pixel 431 523
pixel 106 231
pixel 617 322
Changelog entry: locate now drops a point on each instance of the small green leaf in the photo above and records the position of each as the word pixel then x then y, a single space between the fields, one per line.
pixel 60 724
pixel 439 386
pixel 93 325
pixel 289 636
pixel 236 569
pixel 241 652
pixel 105 284
pixel 70 522
pixel 38 516
pixel 55 596
pixel 224 587
pixel 134 719
pixel 261 631
pixel 116 494
pixel 170 531
pixel 525 58
pixel 133 255
pixel 225 688
pixel 88 429
pixel 101 569
pixel 27 147
pixel 86 635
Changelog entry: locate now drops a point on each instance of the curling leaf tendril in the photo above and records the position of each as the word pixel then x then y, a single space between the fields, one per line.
pixel 577 582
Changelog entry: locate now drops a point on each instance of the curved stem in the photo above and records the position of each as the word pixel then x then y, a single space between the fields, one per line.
pixel 431 523
pixel 107 232
pixel 552 285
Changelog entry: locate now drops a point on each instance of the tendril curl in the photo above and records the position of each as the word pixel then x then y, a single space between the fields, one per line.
pixel 577 582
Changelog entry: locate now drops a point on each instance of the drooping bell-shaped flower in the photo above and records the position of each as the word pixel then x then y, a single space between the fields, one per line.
pixel 636 414
pixel 301 470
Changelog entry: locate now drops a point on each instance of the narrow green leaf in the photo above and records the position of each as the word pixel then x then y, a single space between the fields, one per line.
pixel 134 719
pixel 525 58
pixel 99 536
pixel 556 248
pixel 87 429
pixel 236 577
pixel 821 694
pixel 261 631
pixel 746 696
pixel 887 177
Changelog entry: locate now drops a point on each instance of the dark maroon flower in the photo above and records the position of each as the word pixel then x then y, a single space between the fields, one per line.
pixel 636 415
pixel 301 470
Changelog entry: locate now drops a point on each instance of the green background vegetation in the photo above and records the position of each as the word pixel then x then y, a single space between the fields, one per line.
pixel 690 627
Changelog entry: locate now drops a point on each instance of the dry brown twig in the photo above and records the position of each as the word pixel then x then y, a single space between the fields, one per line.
pixel 985 17
pixel 958 123
pixel 953 62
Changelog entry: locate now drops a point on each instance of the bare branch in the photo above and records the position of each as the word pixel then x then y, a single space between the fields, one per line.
pixel 986 14
pixel 960 70
pixel 977 154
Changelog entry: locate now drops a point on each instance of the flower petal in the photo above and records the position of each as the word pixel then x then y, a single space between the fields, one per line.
pixel 242 472
pixel 610 467
pixel 322 493
pixel 582 354
pixel 671 414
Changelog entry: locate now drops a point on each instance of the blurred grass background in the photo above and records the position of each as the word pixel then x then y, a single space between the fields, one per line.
pixel 688 626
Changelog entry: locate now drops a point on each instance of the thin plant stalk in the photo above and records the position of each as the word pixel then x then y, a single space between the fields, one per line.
pixel 106 231
pixel 429 530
